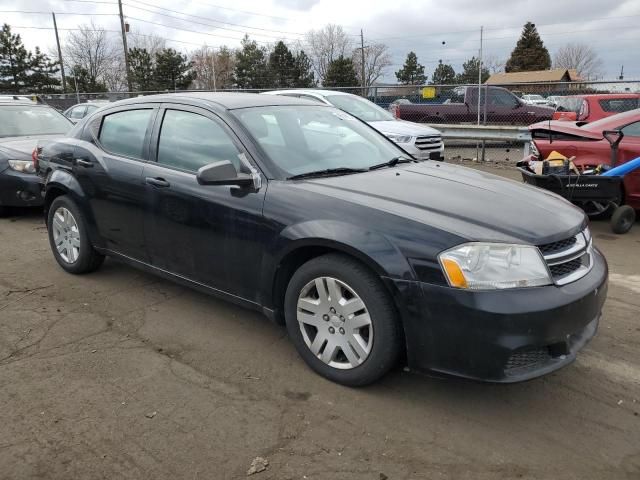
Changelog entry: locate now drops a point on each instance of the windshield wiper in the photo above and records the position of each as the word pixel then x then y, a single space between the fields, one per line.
pixel 328 172
pixel 391 163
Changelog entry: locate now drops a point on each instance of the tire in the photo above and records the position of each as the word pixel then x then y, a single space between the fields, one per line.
pixel 623 219
pixel 78 255
pixel 355 353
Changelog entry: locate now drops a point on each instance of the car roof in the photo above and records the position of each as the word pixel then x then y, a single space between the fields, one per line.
pixel 605 95
pixel 225 100
pixel 312 91
pixel 29 103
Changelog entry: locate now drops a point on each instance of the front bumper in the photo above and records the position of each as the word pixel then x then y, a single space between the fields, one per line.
pixel 423 154
pixel 19 189
pixel 501 336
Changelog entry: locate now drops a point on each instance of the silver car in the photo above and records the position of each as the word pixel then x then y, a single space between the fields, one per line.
pixel 419 140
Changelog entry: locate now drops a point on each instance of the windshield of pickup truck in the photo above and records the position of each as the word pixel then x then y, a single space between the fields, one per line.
pixel 299 139
pixel 26 120
pixel 358 107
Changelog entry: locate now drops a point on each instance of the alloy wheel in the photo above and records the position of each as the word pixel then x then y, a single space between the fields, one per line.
pixel 66 235
pixel 335 323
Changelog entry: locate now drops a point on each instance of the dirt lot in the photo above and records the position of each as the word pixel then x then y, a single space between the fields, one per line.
pixel 121 375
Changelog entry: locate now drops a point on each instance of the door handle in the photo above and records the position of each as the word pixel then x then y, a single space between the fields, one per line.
pixel 157 182
pixel 83 163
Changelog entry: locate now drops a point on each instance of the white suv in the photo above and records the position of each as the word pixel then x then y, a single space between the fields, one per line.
pixel 419 140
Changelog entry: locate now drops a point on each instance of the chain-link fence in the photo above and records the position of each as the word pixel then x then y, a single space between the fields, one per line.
pixel 513 105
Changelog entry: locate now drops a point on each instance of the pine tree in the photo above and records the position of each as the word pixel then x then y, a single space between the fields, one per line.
pixel 173 71
pixel 469 73
pixel 411 73
pixel 282 65
pixel 530 52
pixel 142 69
pixel 42 78
pixel 340 73
pixel 15 61
pixel 444 74
pixel 251 65
pixel 79 78
pixel 304 76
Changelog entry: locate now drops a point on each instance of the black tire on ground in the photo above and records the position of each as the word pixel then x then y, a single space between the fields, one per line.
pixel 623 219
pixel 386 326
pixel 88 259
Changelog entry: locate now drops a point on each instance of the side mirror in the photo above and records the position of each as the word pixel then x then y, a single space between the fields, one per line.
pixel 224 173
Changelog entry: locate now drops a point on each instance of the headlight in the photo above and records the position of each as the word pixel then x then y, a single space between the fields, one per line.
pixel 489 266
pixel 24 166
pixel 398 138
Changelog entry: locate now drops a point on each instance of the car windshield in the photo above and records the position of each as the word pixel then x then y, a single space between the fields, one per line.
pixel 299 139
pixel 358 107
pixel 25 120
pixel 535 97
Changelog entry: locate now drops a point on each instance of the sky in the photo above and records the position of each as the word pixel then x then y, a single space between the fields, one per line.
pixel 447 30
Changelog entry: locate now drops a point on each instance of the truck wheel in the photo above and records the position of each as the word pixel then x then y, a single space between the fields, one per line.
pixel 69 239
pixel 623 219
pixel 341 320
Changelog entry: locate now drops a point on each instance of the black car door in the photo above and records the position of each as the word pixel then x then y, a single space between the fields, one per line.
pixel 110 172
pixel 210 234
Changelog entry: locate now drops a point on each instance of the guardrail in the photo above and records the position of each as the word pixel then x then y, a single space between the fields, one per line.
pixel 484 133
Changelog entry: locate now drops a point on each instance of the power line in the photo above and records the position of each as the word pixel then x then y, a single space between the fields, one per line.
pixel 207 18
pixel 57 13
pixel 203 23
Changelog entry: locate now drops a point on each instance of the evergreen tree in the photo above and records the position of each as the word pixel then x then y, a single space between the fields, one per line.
pixel 282 66
pixel 15 61
pixel 530 52
pixel 43 73
pixel 411 73
pixel 81 79
pixel 173 71
pixel 141 69
pixel 340 73
pixel 444 74
pixel 469 73
pixel 251 65
pixel 304 76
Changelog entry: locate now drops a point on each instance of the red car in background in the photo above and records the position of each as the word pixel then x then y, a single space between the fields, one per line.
pixel 587 108
pixel 587 144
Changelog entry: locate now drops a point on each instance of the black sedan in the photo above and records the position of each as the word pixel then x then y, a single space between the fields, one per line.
pixel 22 123
pixel 309 215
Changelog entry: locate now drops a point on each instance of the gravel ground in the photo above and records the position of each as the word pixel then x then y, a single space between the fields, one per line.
pixel 119 374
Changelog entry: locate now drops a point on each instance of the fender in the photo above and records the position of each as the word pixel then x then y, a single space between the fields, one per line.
pixel 363 244
pixel 62 179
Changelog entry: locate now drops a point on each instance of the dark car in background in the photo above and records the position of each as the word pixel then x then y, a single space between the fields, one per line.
pixel 22 123
pixel 497 106
pixel 309 215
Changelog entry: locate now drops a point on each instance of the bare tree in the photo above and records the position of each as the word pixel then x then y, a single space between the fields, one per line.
pixel 214 70
pixel 494 64
pixel 327 44
pixel 376 59
pixel 580 57
pixel 150 42
pixel 91 50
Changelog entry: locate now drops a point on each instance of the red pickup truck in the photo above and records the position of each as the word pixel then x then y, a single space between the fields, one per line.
pixel 502 107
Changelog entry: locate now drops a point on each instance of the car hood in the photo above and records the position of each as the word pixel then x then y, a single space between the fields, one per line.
pixel 570 128
pixel 21 147
pixel 401 127
pixel 471 204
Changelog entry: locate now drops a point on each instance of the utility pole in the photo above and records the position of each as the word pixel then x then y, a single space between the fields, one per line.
pixel 55 27
pixel 362 69
pixel 124 44
pixel 480 93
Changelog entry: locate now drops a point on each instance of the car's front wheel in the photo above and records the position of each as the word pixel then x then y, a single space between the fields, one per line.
pixel 342 320
pixel 69 239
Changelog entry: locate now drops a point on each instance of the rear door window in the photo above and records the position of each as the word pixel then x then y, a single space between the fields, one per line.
pixel 619 105
pixel 123 133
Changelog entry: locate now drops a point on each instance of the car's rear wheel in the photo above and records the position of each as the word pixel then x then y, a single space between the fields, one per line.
pixel 68 237
pixel 342 320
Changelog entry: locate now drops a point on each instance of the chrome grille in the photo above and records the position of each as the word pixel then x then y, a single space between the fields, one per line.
pixel 429 143
pixel 569 259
